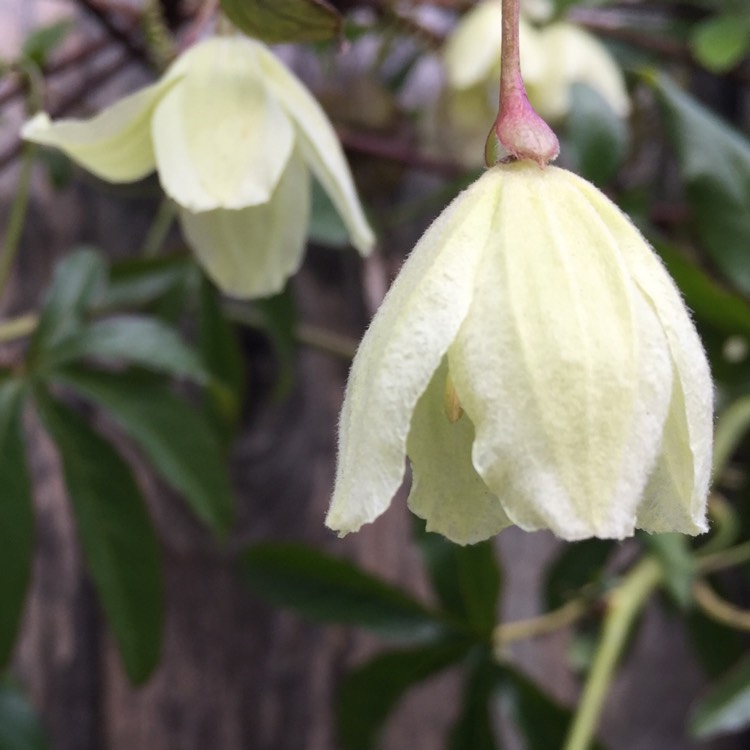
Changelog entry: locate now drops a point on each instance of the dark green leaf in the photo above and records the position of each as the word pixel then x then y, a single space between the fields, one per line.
pixel 678 566
pixel 473 728
pixel 577 565
pixel 16 516
pixel 726 707
pixel 369 694
pixel 326 226
pixel 142 281
pixel 20 728
pixel 276 21
pixel 221 352
pixel 710 302
pixel 116 534
pixel 719 43
pixel 715 162
pixel 41 43
pixel 176 438
pixel 542 720
pixel 717 646
pixel 77 280
pixel 136 340
pixel 466 579
pixel 279 319
pixel 328 589
pixel 597 137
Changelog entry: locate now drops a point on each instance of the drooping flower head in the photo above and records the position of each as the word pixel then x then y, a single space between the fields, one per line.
pixel 553 59
pixel 233 136
pixel 538 367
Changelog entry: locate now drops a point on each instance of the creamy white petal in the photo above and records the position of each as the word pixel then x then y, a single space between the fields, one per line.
pixel 400 352
pixel 320 147
pixel 251 252
pixel 115 145
pixel 575 56
pixel 221 138
pixel 472 51
pixel 690 454
pixel 446 489
pixel 561 365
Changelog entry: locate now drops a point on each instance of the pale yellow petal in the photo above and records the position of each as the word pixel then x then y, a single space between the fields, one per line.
pixel 446 489
pixel 400 352
pixel 220 137
pixel 115 145
pixel 320 146
pixel 575 56
pixel 472 52
pixel 561 365
pixel 251 252
pixel 691 454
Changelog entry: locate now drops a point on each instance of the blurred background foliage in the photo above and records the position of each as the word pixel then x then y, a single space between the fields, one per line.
pixel 139 364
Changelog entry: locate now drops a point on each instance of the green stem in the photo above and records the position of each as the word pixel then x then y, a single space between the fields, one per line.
pixel 625 602
pixel 159 228
pixel 18 328
pixel 17 218
pixel 731 427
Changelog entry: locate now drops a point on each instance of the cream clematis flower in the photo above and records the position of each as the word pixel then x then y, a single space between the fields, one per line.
pixel 553 59
pixel 538 367
pixel 233 135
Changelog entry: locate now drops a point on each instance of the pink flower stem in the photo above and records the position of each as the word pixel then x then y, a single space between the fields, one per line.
pixel 521 133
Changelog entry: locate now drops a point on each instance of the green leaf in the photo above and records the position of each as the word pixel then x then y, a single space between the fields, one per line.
pixel 138 282
pixel 77 280
pixel 20 728
pixel 709 302
pixel 177 439
pixel 473 727
pixel 220 350
pixel 133 339
pixel 16 516
pixel 279 319
pixel 542 720
pixel 369 694
pixel 326 226
pixel 597 137
pixel 116 534
pixel 41 43
pixel 577 565
pixel 466 579
pixel 726 707
pixel 276 21
pixel 715 162
pixel 720 43
pixel 678 566
pixel 328 589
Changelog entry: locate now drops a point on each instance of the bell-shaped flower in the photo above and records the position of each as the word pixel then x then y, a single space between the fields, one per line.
pixel 553 59
pixel 234 136
pixel 536 363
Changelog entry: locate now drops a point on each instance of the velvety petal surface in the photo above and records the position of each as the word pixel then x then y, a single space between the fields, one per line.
pixel 446 490
pixel 221 138
pixel 560 364
pixel 401 351
pixel 251 252
pixel 685 464
pixel 115 145
pixel 320 147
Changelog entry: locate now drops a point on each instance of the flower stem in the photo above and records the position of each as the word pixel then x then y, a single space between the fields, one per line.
pixel 17 217
pixel 534 627
pixel 625 602
pixel 719 609
pixel 519 130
